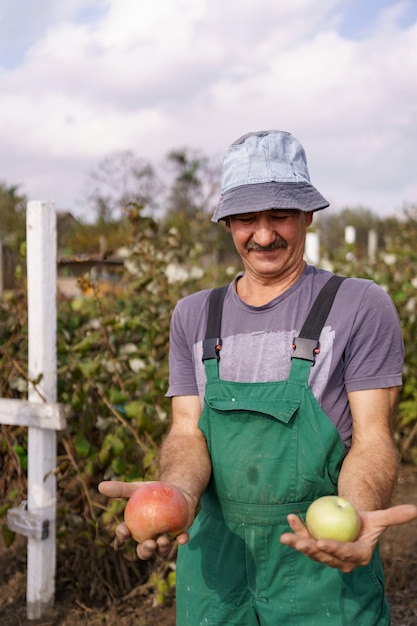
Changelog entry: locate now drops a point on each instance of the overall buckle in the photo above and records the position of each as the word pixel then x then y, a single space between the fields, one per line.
pixel 211 348
pixel 306 349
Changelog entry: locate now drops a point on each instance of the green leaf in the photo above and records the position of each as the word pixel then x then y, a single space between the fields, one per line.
pixel 117 396
pixel 8 535
pixel 134 409
pixel 22 455
pixel 82 446
pixel 117 446
pixel 4 508
pixel 118 466
pixel 85 345
pixel 89 369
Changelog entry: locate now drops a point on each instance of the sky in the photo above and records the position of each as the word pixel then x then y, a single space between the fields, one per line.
pixel 83 79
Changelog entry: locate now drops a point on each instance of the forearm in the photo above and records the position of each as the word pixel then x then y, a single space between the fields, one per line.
pixel 369 471
pixel 185 462
pixel 368 475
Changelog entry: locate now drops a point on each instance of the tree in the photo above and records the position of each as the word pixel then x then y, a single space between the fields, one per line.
pixel 182 191
pixel 191 200
pixel 12 215
pixel 119 179
pixel 192 186
pixel 194 182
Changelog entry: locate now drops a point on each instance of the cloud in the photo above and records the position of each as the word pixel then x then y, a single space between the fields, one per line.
pixel 99 77
pixel 23 23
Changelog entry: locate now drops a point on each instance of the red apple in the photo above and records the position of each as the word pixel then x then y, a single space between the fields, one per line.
pixel 156 508
pixel 333 517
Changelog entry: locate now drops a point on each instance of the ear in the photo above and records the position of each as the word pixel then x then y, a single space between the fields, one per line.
pixel 309 218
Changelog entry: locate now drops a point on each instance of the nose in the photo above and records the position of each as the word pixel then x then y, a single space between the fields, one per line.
pixel 264 233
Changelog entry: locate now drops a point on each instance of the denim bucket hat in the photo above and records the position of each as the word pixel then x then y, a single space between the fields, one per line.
pixel 266 170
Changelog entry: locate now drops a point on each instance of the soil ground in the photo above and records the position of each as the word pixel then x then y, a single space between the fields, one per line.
pixel 138 607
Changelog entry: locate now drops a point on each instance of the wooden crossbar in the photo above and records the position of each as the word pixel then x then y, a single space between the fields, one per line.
pixel 32 414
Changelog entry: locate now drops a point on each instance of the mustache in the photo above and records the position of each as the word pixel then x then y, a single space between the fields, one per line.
pixel 275 245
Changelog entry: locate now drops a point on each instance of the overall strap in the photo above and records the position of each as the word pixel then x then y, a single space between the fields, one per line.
pixel 307 345
pixel 212 343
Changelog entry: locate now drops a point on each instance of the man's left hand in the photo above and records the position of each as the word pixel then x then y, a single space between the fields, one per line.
pixel 346 555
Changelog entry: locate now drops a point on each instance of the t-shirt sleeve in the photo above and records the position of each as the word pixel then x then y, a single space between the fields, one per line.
pixel 182 379
pixel 374 356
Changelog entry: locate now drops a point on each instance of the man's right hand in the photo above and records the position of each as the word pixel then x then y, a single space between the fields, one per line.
pixel 160 546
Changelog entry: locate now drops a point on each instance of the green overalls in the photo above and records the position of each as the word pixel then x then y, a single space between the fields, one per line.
pixel 273 450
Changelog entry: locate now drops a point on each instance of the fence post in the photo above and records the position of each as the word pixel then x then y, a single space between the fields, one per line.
pixel 42 443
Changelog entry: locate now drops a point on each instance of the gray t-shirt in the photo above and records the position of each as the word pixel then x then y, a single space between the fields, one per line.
pixel 361 345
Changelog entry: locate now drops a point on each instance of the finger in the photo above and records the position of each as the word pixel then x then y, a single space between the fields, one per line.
pixel 118 489
pixel 375 522
pixel 182 538
pixel 400 514
pixel 335 563
pixel 123 534
pixel 146 549
pixel 309 548
pixel 297 526
pixel 337 556
pixel 164 546
pixel 302 544
pixel 299 532
pixel 118 545
pixel 110 488
pixel 346 552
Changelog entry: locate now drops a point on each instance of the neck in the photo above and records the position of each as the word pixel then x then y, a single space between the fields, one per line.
pixel 257 291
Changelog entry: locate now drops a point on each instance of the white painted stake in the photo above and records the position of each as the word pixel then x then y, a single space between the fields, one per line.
pixel 312 248
pixel 372 244
pixel 41 271
pixel 350 234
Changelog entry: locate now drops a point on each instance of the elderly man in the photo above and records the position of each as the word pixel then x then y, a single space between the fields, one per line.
pixel 281 393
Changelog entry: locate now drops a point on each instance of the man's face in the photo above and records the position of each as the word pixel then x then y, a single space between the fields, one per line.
pixel 270 243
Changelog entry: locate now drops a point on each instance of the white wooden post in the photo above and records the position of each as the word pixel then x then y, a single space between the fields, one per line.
pixel 36 517
pixel 42 446
pixel 372 244
pixel 312 248
pixel 350 234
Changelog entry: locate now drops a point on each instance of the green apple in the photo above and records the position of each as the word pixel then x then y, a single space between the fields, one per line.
pixel 333 517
